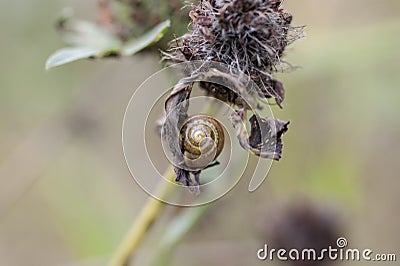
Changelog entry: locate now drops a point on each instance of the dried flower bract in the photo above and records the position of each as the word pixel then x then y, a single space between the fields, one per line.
pixel 247 35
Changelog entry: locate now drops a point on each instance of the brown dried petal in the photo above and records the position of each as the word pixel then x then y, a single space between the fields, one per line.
pixel 176 107
pixel 275 89
pixel 279 92
pixel 265 138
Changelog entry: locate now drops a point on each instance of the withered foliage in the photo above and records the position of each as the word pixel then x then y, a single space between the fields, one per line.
pixel 249 36
pixel 265 135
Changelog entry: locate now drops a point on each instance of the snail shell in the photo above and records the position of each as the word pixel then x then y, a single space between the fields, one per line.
pixel 202 141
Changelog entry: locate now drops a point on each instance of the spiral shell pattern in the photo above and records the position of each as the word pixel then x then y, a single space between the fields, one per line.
pixel 202 139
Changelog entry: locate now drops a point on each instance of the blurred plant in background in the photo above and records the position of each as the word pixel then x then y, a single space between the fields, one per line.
pixel 123 28
pixel 303 225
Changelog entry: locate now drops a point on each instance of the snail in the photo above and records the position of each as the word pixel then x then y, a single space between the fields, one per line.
pixel 202 140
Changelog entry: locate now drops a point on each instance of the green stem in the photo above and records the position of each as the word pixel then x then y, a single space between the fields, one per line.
pixel 141 225
pixel 147 216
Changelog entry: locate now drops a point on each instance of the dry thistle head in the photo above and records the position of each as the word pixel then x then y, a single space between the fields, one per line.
pixel 247 35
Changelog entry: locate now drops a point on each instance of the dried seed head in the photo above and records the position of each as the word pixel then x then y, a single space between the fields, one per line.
pixel 248 35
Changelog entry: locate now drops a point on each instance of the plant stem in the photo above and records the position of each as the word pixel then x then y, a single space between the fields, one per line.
pixel 148 214
pixel 142 223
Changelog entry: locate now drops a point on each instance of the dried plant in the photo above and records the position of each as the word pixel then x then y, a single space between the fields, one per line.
pixel 250 37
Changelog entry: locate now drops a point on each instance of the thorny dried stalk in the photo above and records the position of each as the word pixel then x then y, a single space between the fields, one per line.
pixel 250 37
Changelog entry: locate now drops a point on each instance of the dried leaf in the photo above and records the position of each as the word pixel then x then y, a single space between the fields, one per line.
pixel 176 106
pixel 265 138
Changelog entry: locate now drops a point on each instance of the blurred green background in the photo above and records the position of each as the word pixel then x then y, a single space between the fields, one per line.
pixel 67 198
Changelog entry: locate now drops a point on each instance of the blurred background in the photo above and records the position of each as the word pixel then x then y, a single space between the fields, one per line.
pixel 66 195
